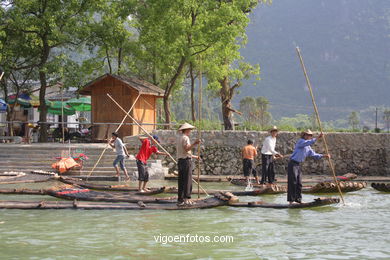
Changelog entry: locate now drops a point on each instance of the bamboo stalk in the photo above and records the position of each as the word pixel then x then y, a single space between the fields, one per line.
pixel 199 120
pixel 107 146
pixel 147 133
pixel 319 122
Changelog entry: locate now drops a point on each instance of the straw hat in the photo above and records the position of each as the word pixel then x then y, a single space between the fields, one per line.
pixel 307 132
pixel 186 126
pixel 274 128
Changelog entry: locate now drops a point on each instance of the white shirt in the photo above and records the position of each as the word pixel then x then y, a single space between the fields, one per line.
pixel 119 147
pixel 182 141
pixel 269 146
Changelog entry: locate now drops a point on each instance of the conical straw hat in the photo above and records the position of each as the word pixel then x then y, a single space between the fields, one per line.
pixel 186 126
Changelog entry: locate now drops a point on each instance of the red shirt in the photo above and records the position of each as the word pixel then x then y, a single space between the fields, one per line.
pixel 146 151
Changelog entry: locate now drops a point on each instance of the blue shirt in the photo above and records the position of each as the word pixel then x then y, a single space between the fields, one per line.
pixel 303 150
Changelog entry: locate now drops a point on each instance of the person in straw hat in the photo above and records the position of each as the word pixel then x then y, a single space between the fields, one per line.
pixel 184 156
pixel 301 151
pixel 268 154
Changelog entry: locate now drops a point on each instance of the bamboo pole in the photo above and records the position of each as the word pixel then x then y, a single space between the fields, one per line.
pixel 147 133
pixel 107 146
pixel 1 76
pixel 199 120
pixel 62 117
pixel 319 122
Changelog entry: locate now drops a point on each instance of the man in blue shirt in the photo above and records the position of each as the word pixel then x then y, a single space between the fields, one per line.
pixel 301 151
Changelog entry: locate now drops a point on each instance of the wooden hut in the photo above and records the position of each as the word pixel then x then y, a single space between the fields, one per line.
pixel 125 91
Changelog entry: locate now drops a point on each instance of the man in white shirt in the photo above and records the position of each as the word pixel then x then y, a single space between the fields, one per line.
pixel 268 154
pixel 121 151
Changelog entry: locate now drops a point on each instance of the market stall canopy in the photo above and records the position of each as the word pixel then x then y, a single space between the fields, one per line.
pixel 22 100
pixel 35 101
pixel 80 104
pixel 56 108
pixel 3 106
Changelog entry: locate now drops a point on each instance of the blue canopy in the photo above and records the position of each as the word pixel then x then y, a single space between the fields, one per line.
pixel 3 106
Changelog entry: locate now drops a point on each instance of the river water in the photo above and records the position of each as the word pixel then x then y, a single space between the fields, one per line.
pixel 358 230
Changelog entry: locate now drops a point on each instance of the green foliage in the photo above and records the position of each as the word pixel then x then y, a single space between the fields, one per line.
pixel 354 120
pixel 255 111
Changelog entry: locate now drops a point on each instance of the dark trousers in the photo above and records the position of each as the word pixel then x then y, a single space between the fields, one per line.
pixel 185 179
pixel 249 167
pixel 267 171
pixel 294 186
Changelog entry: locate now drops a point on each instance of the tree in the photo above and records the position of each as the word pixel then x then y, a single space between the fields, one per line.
pixel 48 26
pixel 226 68
pixel 186 29
pixel 386 118
pixel 354 120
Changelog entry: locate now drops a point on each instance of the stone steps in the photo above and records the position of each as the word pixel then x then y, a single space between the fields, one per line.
pixel 34 157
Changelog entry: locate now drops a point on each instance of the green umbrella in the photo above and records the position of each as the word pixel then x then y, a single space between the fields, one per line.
pixel 80 104
pixel 56 109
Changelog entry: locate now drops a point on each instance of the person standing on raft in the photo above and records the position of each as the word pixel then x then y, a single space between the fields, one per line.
pixel 142 157
pixel 184 156
pixel 301 151
pixel 268 154
pixel 121 151
pixel 249 153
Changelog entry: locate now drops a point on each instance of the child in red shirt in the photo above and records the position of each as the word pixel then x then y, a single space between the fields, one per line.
pixel 142 157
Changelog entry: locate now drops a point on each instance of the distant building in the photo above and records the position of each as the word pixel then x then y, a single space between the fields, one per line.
pixel 125 91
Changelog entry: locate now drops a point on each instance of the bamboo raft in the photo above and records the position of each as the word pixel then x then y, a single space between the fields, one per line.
pixel 21 177
pixel 94 186
pixel 384 187
pixel 273 189
pixel 90 195
pixel 322 187
pixel 261 204
pixel 219 199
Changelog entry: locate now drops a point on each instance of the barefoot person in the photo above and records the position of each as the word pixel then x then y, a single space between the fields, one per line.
pixel 249 153
pixel 143 155
pixel 268 154
pixel 121 151
pixel 301 151
pixel 184 163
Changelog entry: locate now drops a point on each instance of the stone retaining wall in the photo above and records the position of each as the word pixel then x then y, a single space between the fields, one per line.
pixel 361 153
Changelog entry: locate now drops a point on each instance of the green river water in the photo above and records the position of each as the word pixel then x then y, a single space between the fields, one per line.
pixel 358 230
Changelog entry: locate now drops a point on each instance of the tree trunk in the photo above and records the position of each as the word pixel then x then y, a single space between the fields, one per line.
pixel 43 108
pixel 169 88
pixel 226 98
pixel 167 111
pixel 119 61
pixel 193 115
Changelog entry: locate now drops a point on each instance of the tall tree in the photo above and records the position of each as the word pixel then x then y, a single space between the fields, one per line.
pixel 184 30
pixel 48 26
pixel 227 70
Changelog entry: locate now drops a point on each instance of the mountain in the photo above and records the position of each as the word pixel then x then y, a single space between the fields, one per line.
pixel 345 46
